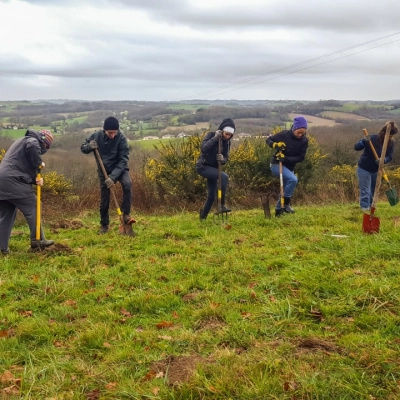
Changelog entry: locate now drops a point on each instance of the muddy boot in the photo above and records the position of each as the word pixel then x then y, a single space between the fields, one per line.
pixel 287 208
pixel 103 229
pixel 202 215
pixel 224 208
pixel 128 220
pixel 278 212
pixel 5 252
pixel 35 244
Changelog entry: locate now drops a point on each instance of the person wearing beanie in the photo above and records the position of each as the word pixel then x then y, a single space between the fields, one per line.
pixel 367 166
pixel 207 164
pixel 18 172
pixel 113 148
pixel 290 148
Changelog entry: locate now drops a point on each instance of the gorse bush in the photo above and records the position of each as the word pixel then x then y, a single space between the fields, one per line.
pixel 56 184
pixel 173 174
pixel 2 154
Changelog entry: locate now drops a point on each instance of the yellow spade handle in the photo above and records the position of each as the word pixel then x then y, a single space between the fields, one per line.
pixel 38 208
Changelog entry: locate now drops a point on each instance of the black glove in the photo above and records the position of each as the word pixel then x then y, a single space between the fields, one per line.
pixel 279 145
pixel 220 157
pixel 279 156
pixel 92 145
pixel 366 139
pixel 109 182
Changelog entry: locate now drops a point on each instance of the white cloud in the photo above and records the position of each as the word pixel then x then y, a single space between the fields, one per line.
pixel 170 50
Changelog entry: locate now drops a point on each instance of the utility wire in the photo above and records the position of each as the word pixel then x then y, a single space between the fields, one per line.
pixel 243 83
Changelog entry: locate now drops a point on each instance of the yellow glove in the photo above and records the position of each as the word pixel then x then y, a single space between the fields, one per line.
pixel 279 156
pixel 279 145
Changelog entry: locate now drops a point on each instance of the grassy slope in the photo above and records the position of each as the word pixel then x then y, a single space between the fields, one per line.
pixel 260 309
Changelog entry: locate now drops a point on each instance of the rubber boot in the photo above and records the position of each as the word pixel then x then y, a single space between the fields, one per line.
pixel 202 216
pixel 279 212
pixel 287 209
pixel 41 243
pixel 224 208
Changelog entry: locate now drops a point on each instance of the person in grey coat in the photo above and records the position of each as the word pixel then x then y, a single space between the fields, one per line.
pixel 114 152
pixel 18 172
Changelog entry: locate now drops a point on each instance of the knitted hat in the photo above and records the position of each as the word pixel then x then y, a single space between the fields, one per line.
pixel 227 123
pixel 111 124
pixel 47 138
pixel 299 122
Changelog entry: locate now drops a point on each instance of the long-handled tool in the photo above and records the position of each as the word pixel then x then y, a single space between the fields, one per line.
pixel 281 186
pixel 220 212
pixel 38 208
pixel 370 222
pixel 124 229
pixel 391 193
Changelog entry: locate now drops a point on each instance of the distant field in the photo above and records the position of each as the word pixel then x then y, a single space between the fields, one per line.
pixel 342 115
pixel 185 128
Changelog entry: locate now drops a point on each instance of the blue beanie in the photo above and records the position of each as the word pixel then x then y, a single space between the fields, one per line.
pixel 299 122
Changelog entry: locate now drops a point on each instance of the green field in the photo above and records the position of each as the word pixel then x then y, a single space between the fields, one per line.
pixel 304 306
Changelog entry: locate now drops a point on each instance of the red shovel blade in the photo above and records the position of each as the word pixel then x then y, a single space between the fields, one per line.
pixel 371 223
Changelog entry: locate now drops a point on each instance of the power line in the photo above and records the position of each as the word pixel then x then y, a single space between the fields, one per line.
pixel 250 81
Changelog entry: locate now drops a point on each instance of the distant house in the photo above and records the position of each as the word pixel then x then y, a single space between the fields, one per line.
pixel 168 136
pixel 243 135
pixel 150 137
pixel 182 135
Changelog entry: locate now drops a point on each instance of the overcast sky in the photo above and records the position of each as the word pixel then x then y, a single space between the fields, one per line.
pixel 173 50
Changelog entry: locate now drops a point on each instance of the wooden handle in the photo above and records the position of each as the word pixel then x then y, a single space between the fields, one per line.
pixel 380 170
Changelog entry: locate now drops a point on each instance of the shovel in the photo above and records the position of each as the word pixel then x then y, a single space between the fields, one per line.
pixel 370 222
pixel 219 212
pixel 38 208
pixel 391 193
pixel 281 186
pixel 124 229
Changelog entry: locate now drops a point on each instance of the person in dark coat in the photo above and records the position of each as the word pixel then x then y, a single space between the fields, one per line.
pixel 18 172
pixel 367 166
pixel 114 152
pixel 291 148
pixel 207 164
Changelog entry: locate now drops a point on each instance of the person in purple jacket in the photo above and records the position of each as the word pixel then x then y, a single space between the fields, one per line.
pixel 291 148
pixel 367 167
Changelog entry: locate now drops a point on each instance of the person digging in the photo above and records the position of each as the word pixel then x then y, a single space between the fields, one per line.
pixel 113 149
pixel 291 148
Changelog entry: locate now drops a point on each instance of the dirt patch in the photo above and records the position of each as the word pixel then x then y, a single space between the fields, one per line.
pixel 57 248
pixel 178 370
pixel 212 324
pixel 314 344
pixel 66 224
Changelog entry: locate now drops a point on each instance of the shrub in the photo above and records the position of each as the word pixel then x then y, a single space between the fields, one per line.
pixel 2 154
pixel 173 174
pixel 56 184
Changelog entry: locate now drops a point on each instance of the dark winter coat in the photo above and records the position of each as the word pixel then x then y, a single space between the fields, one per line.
pixel 367 159
pixel 295 151
pixel 114 152
pixel 20 165
pixel 209 150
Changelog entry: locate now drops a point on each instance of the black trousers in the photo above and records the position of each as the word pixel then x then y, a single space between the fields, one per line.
pixel 105 195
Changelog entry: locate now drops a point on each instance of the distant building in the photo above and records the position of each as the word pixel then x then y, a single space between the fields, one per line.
pixel 182 135
pixel 168 136
pixel 150 137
